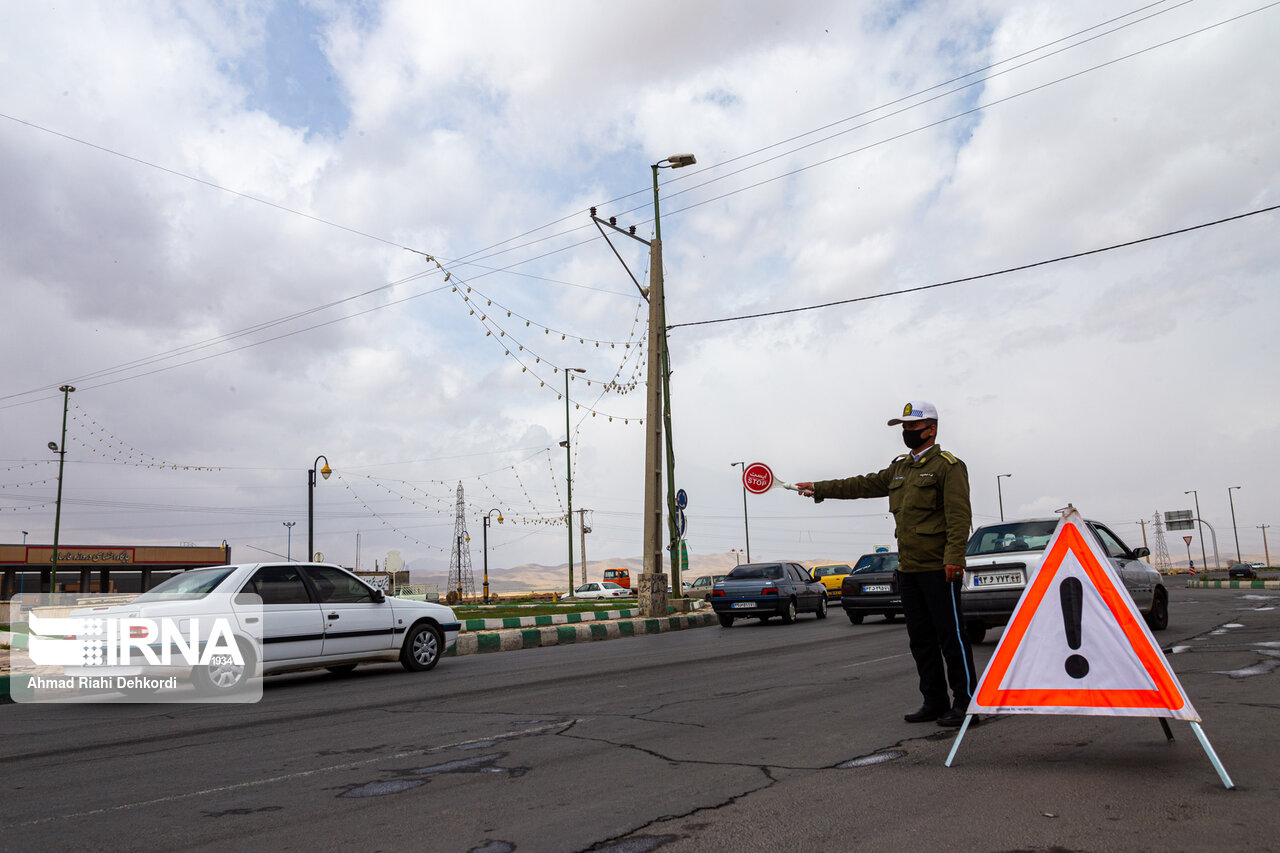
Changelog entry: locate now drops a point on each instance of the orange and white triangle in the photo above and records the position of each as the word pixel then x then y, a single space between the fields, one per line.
pixel 1076 643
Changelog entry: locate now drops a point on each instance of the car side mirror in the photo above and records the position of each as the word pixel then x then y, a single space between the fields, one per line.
pixel 379 596
pixel 1142 552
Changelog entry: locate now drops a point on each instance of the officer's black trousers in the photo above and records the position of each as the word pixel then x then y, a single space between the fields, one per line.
pixel 935 627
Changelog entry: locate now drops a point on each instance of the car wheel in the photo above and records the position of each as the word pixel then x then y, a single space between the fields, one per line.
pixel 822 608
pixel 889 617
pixel 1158 617
pixel 855 618
pixel 789 615
pixel 343 669
pixel 225 678
pixel 422 648
pixel 726 621
pixel 976 631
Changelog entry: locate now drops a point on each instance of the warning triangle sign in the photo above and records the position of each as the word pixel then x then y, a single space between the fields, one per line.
pixel 1076 643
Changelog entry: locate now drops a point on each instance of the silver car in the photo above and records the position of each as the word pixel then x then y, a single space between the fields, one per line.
pixel 1001 557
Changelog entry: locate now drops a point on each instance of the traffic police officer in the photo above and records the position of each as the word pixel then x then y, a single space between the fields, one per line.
pixel 928 491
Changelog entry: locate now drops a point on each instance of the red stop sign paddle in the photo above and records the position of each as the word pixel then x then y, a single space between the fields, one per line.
pixel 757 478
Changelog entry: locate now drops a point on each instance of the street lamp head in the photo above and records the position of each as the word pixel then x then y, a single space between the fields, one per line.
pixel 678 161
pixel 326 470
pixel 564 443
pixel 53 445
pixel 66 389
pixel 577 369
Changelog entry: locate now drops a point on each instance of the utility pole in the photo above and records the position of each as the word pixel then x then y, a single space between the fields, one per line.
pixel 1143 523
pixel 61 450
pixel 1265 549
pixel 585 529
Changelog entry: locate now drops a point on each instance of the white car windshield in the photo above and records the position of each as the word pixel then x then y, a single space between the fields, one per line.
pixel 187 586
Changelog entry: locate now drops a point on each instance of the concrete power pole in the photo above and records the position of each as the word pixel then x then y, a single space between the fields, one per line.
pixel 1265 549
pixel 585 529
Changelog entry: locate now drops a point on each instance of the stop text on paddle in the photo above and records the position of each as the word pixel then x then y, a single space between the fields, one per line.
pixel 758 478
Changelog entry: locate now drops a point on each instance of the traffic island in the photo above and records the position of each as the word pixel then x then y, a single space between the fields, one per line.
pixel 470 643
pixel 1237 584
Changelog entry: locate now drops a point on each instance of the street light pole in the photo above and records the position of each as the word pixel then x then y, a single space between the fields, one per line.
pixel 1230 489
pixel 1000 494
pixel 746 528
pixel 311 504
pixel 568 458
pixel 288 551
pixel 61 450
pixel 1204 556
pixel 487 515
pixel 658 411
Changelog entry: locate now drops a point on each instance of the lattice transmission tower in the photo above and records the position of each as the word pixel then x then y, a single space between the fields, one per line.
pixel 461 579
pixel 1164 565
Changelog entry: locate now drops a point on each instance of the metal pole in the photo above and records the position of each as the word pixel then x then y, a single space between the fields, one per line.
pixel 62 458
pixel 1204 556
pixel 746 527
pixel 1230 489
pixel 1000 493
pixel 311 488
pixel 289 539
pixel 486 558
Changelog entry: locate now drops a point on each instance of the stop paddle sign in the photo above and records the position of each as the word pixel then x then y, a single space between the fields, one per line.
pixel 757 478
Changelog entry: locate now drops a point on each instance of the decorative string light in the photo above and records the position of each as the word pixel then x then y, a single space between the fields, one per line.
pixel 105 444
pixel 519 352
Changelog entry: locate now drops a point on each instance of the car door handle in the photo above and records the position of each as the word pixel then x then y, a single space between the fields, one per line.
pixel 333 615
pixel 251 620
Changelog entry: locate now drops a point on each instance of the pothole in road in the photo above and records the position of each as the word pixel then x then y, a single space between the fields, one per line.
pixel 872 759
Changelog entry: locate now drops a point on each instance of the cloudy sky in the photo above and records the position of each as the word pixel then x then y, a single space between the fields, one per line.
pixel 253 233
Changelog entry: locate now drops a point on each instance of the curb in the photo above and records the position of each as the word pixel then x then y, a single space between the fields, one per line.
pixel 1253 584
pixel 548 620
pixel 482 642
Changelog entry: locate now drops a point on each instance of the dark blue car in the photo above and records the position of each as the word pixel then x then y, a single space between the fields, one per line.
pixel 763 590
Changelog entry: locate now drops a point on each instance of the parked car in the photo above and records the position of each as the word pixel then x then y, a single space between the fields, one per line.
pixel 763 590
pixel 1001 557
pixel 1241 570
pixel 1258 565
pixel 872 587
pixel 314 616
pixel 701 586
pixel 832 576
pixel 607 589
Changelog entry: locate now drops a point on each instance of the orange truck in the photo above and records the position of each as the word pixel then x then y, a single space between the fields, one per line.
pixel 622 577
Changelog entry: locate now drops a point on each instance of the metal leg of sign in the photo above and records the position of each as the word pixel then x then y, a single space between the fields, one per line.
pixel 1164 724
pixel 964 727
pixel 1213 756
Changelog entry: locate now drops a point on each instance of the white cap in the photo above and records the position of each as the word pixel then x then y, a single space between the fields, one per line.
pixel 916 410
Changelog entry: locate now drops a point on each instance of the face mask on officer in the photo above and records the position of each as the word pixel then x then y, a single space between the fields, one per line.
pixel 913 438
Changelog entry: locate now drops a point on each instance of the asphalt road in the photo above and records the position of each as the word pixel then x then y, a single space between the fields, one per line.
pixel 763 735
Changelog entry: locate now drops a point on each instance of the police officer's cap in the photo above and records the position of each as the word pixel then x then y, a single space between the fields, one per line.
pixel 916 410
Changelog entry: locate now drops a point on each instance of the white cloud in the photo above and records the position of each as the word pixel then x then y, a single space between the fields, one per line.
pixel 1115 381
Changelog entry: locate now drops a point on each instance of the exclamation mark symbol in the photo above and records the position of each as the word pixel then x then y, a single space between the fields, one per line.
pixel 1072 593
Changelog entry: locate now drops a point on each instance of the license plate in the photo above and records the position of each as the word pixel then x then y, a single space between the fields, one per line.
pixel 743 605
pixel 877 587
pixel 998 579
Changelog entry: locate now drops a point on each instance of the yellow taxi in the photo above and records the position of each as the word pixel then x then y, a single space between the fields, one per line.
pixel 831 576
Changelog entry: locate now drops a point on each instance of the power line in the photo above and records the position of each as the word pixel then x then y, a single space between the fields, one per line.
pixel 953 281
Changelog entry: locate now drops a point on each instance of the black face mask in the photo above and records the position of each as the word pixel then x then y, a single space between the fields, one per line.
pixel 913 438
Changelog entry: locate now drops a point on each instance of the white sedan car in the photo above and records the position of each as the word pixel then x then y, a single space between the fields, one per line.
pixel 605 589
pixel 314 616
